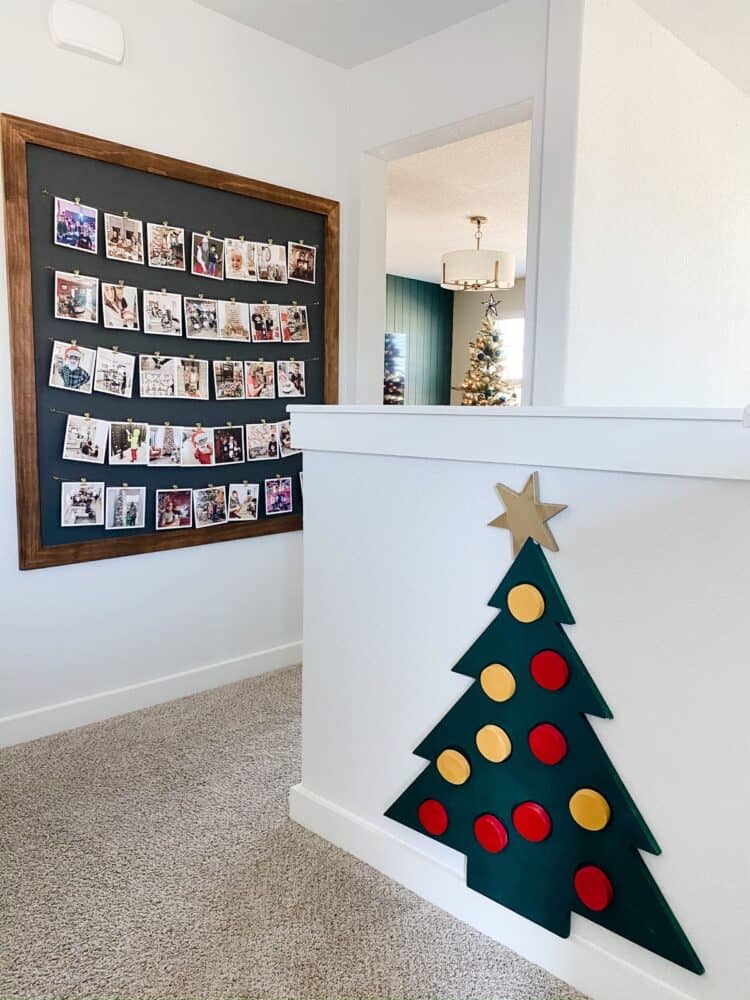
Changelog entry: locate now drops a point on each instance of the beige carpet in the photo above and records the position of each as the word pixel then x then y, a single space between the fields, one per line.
pixel 152 856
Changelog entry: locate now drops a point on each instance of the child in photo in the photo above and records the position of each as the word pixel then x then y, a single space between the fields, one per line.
pixel 162 313
pixel 261 442
pixel 294 328
pixel 71 367
pixel 264 321
pixel 114 372
pixel 271 258
pixel 76 297
pixel 197 446
pixel 239 260
pixel 208 256
pixel 279 495
pixel 123 238
pixel 302 263
pixel 128 443
pixel 210 506
pixel 164 444
pixel 291 376
pixel 228 445
pixel 260 380
pixel 191 378
pixel 229 380
pixel 157 376
pixel 285 439
pixel 120 307
pixel 201 318
pixel 166 247
pixel 174 509
pixel 234 321
pixel 82 505
pixel 126 507
pixel 85 439
pixel 76 225
pixel 243 501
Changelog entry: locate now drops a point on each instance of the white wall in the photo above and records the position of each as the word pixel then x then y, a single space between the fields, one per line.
pixel 659 297
pixel 480 74
pixel 468 313
pixel 191 87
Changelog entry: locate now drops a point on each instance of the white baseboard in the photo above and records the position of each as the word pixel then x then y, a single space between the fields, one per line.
pixel 594 971
pixel 106 704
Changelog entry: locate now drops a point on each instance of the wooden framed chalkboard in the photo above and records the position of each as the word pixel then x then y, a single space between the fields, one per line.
pixel 45 167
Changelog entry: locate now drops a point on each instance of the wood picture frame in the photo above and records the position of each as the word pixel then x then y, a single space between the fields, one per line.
pixel 17 134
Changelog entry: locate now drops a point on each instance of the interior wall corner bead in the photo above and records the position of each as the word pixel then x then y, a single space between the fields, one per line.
pixel 82 29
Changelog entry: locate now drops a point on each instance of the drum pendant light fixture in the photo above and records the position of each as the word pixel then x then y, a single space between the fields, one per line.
pixel 478 270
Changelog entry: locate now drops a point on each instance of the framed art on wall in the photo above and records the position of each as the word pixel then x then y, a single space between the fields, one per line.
pixel 162 371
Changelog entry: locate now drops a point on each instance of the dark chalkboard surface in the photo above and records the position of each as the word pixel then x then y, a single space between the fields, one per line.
pixel 151 189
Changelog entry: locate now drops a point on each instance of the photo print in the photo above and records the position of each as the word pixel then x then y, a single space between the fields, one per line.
pixel 261 442
pixel 72 367
pixel 123 238
pixel 239 260
pixel 208 256
pixel 291 376
pixel 279 495
pixel 196 446
pixel 128 443
pixel 174 509
pixel 114 372
pixel 120 307
pixel 76 297
pixel 294 328
pixel 164 444
pixel 229 380
pixel 234 321
pixel 271 262
pixel 264 319
pixel 166 246
pixel 302 263
pixel 201 318
pixel 162 313
pixel 126 507
pixel 260 380
pixel 229 446
pixel 210 506
pixel 286 448
pixel 191 378
pixel 75 225
pixel 243 501
pixel 82 505
pixel 157 376
pixel 85 439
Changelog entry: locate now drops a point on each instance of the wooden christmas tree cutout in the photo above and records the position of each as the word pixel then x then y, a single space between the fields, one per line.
pixel 518 781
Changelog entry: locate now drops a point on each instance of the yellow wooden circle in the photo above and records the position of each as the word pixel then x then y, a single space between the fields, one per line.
pixel 525 603
pixel 589 809
pixel 453 766
pixel 497 682
pixel 494 743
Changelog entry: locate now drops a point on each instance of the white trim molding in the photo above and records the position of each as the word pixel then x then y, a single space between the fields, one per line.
pixel 107 704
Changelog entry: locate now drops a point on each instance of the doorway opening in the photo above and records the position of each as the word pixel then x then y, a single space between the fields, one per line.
pixel 431 351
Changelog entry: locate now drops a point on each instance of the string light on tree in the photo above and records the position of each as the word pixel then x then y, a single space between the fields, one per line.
pixel 484 383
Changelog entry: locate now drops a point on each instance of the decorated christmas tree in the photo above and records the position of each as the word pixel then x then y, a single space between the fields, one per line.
pixel 517 779
pixel 483 383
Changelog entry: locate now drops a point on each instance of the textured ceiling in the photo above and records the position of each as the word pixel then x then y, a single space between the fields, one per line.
pixel 431 195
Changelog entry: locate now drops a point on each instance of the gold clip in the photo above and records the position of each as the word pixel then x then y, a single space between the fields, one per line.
pixel 229 423
pixel 232 299
pixel 270 241
pixel 124 214
pixel 200 295
pixel 77 199
pixel 175 486
pixel 210 486
pixel 227 358
pixel 77 271
pixel 129 420
pixel 157 354
pixel 164 222
pixel 291 359
pixel 192 357
pixel 163 291
pixel 114 348
pixel 87 415
pixel 83 480
pixel 264 302
pixel 167 423
pixel 74 343
pixel 242 237
pixel 121 283
pixel 244 482
pixel 198 426
pixel 124 486
pixel 208 232
pixel 263 420
pixel 294 302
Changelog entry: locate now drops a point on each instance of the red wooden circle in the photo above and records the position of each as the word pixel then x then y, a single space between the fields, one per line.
pixel 491 833
pixel 593 887
pixel 550 670
pixel 547 743
pixel 532 821
pixel 433 817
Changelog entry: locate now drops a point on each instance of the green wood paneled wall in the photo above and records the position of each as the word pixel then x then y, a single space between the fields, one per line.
pixel 424 312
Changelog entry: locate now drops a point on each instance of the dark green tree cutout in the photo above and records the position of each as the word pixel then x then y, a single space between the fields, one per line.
pixel 598 873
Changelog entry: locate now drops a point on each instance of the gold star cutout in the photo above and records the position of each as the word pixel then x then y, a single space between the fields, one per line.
pixel 525 517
